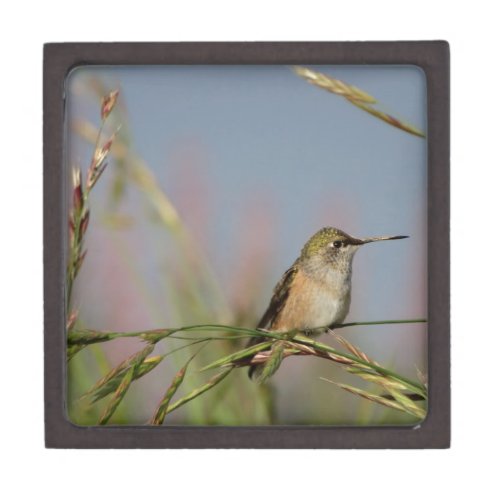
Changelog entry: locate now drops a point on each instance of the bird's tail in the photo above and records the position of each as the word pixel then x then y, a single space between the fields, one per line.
pixel 254 372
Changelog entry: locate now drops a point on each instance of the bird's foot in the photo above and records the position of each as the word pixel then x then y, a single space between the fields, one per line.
pixel 310 333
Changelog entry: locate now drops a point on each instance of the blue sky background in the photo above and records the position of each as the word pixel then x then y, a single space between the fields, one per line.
pixel 257 160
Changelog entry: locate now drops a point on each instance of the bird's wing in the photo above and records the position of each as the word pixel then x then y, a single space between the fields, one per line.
pixel 280 294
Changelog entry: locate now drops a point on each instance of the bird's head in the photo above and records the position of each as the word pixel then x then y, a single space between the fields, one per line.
pixel 333 246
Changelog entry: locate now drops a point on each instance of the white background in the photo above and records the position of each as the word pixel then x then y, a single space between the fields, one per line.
pixel 469 468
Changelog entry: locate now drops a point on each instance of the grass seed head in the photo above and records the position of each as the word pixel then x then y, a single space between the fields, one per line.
pixel 108 103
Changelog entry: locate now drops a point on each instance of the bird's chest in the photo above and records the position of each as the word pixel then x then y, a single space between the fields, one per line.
pixel 327 307
pixel 315 303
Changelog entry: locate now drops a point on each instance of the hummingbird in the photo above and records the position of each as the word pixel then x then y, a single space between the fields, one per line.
pixel 314 294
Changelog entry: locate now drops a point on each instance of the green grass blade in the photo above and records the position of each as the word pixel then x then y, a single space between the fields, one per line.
pixel 161 411
pixel 124 385
pixel 83 338
pixel 415 386
pixel 148 365
pixel 273 363
pixel 367 395
pixel 119 371
pixel 198 392
pixel 117 397
pixel 244 353
pixel 73 350
pixel 381 322
pixel 409 405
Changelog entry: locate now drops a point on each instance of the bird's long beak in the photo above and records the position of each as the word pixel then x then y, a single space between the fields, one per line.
pixel 362 241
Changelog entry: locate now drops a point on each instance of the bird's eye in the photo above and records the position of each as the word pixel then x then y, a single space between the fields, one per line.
pixel 336 244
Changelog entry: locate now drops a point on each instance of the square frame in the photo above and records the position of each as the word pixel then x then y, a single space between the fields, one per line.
pixel 433 58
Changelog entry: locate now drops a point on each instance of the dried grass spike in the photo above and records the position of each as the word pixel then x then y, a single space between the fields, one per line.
pixel 108 103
